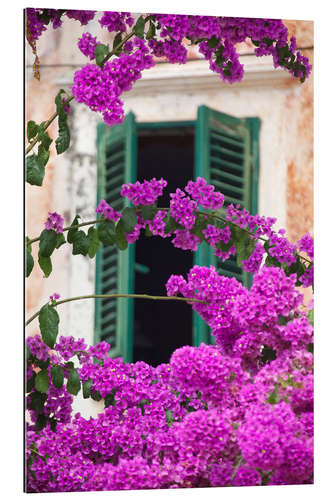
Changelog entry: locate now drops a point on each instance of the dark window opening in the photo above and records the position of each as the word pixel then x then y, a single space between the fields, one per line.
pixel 160 327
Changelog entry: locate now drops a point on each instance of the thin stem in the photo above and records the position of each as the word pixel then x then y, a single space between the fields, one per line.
pixel 68 228
pixel 237 466
pixel 115 296
pixel 107 57
pixel 127 37
pixel 46 125
pixel 165 208
pixel 110 54
pixel 242 228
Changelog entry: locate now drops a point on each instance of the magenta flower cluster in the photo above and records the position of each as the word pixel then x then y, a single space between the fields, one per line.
pixel 184 210
pixel 109 213
pixel 213 416
pixel 243 320
pixel 144 193
pixel 305 244
pixel 87 44
pixel 55 221
pixel 36 24
pixel 204 194
pixel 116 21
pixel 100 88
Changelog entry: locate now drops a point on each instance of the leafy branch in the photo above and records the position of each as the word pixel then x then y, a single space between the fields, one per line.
pixel 113 296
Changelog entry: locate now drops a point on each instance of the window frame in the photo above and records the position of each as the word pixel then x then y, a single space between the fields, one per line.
pixel 198 334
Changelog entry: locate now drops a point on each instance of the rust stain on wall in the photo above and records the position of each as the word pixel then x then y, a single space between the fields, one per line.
pixel 300 166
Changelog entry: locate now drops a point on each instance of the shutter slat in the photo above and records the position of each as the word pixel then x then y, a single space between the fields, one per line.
pixel 228 140
pixel 227 152
pixel 114 268
pixel 114 157
pixel 227 176
pixel 235 168
pixel 108 317
pixel 113 184
pixel 119 167
pixel 231 135
pixel 223 156
pixel 239 192
pixel 109 306
pixel 109 260
pixel 109 280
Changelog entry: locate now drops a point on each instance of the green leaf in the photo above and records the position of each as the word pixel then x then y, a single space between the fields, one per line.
pixel 60 240
pixel 46 141
pixel 32 129
pixel 199 225
pixel 106 232
pixel 171 225
pixel 49 324
pixel 139 28
pixel 109 399
pixel 116 42
pixel 121 240
pixel 63 140
pixel 53 424
pixel 30 383
pixel 62 115
pixel 42 381
pixel 35 171
pixel 29 262
pixel 41 422
pixel 73 383
pixel 282 320
pixel 128 219
pixel 43 155
pixel 81 243
pixel 169 417
pixel 101 52
pixel 42 364
pixel 47 242
pixel 45 265
pixel 148 212
pixel 272 261
pixel 36 401
pixel 43 137
pixel 311 317
pixel 151 31
pixel 57 375
pixel 72 231
pixel 245 246
pixel 28 244
pixel 27 352
pixel 96 396
pixel 148 232
pixel 86 386
pixel 274 397
pixel 213 42
pixel 93 242
pixel 266 246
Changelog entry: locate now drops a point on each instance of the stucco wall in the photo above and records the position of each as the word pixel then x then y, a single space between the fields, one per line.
pixel 167 92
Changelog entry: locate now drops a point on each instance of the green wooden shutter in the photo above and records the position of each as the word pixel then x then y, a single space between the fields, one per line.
pixel 117 154
pixel 227 156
